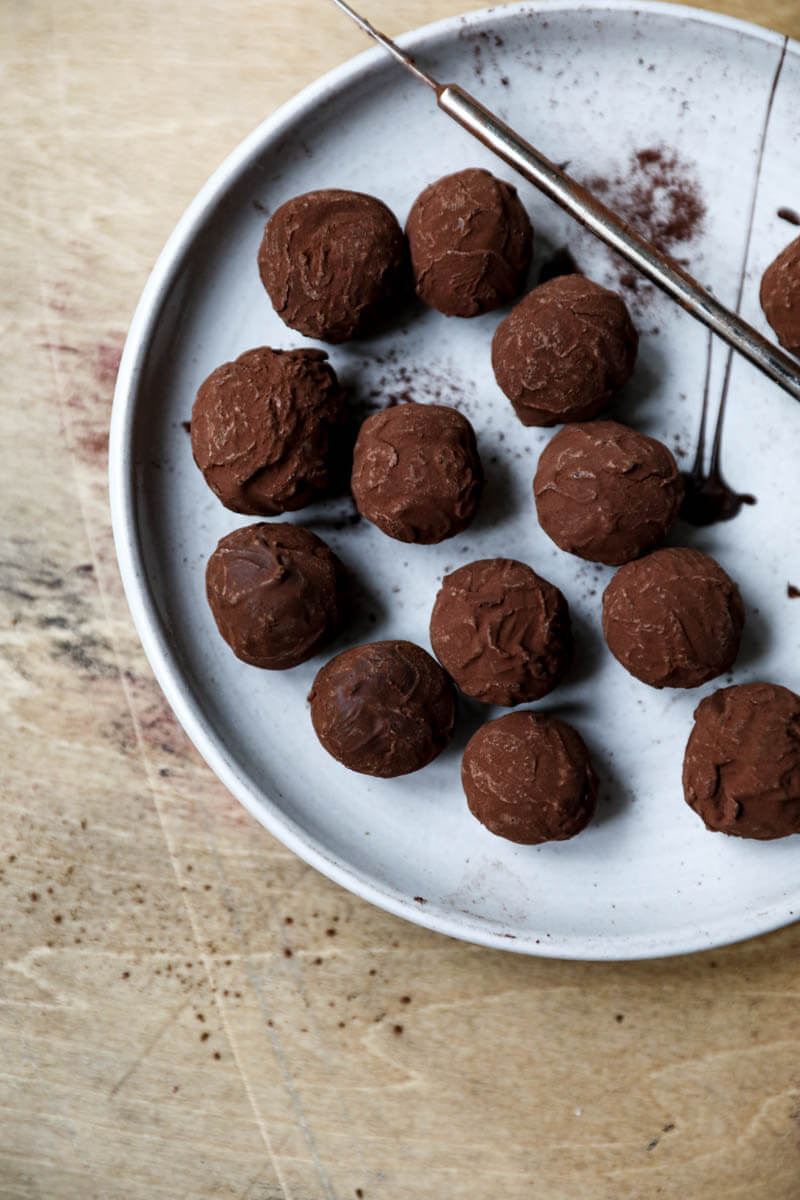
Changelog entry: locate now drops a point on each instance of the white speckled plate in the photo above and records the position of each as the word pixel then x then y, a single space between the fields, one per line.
pixel 591 83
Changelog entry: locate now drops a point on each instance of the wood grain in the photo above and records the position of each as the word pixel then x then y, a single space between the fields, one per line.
pixel 186 1009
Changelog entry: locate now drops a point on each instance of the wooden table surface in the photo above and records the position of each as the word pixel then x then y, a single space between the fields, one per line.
pixel 186 1009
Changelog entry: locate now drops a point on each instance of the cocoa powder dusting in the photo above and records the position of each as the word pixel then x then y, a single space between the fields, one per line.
pixel 658 194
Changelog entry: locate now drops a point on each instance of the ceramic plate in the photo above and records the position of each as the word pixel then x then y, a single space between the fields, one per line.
pixel 713 105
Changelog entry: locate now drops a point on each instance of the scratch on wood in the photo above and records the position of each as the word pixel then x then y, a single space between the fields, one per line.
pixel 268 1022
pixel 148 1048
pixel 303 993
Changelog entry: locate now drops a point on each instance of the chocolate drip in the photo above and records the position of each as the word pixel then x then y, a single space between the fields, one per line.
pixel 417 474
pixel 707 498
pixel 788 214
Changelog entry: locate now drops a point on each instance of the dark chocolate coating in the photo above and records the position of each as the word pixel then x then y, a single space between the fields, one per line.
pixel 266 429
pixel 335 263
pixel 416 472
pixel 384 708
pixel 527 778
pixel 501 631
pixel 563 351
pixel 273 590
pixel 673 618
pixel 606 492
pixel 780 296
pixel 741 771
pixel 471 243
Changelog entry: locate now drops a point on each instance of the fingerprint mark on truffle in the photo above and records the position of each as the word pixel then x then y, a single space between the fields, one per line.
pixel 417 474
pixel 334 263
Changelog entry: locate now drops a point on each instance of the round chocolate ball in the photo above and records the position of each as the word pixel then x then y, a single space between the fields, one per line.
pixel 471 243
pixel 527 778
pixel 334 263
pixel 780 296
pixel 606 492
pixel 384 708
pixel 501 631
pixel 416 472
pixel 563 351
pixel 673 618
pixel 741 771
pixel 273 590
pixel 266 430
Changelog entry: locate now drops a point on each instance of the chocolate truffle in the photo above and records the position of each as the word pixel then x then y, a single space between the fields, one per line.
pixel 563 351
pixel 606 492
pixel 471 243
pixel 266 430
pixel 673 618
pixel 416 472
pixel 780 296
pixel 273 590
pixel 741 772
pixel 527 777
pixel 385 708
pixel 335 264
pixel 501 631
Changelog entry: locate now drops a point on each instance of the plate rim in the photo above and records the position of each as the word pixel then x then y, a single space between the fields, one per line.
pixel 131 560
